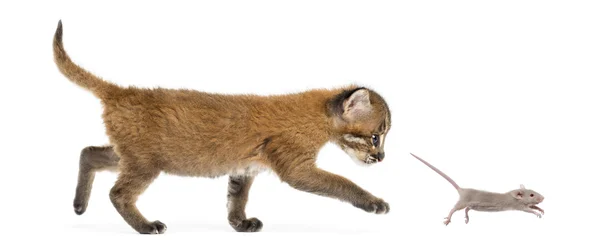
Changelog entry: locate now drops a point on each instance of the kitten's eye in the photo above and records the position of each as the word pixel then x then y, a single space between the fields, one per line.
pixel 375 139
pixel 531 195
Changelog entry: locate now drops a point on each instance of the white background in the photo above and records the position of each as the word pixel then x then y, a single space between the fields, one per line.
pixel 494 93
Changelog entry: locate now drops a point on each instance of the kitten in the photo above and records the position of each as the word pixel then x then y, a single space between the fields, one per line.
pixel 191 133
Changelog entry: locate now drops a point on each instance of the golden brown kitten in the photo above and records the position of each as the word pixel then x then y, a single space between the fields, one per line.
pixel 191 133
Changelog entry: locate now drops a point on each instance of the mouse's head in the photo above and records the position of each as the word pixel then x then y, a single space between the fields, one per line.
pixel 527 196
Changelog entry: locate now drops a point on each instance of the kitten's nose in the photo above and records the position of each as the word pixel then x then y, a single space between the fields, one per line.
pixel 380 156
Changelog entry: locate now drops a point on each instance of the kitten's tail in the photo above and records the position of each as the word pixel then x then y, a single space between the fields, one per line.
pixel 439 172
pixel 78 75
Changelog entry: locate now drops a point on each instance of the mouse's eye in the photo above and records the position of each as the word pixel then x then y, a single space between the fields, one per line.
pixel 531 195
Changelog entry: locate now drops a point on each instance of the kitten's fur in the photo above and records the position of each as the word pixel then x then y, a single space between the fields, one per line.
pixel 191 133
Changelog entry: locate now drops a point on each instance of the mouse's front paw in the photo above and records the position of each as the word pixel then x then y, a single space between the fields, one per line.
pixel 538 209
pixel 377 206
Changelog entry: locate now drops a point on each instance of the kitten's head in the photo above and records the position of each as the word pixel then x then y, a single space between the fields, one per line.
pixel 361 120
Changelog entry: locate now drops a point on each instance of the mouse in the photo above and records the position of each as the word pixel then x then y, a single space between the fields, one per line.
pixel 521 199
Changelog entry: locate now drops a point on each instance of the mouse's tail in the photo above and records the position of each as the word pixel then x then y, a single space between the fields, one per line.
pixel 439 172
pixel 78 75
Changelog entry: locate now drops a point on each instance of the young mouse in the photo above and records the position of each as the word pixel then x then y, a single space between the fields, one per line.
pixel 520 199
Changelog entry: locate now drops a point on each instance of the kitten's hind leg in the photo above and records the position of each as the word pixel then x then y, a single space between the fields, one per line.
pixel 133 180
pixel 237 197
pixel 91 160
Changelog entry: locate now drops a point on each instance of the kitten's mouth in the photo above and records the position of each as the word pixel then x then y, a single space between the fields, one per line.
pixel 370 160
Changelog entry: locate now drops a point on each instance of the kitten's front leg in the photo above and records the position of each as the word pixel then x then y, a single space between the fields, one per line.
pixel 314 180
pixel 237 197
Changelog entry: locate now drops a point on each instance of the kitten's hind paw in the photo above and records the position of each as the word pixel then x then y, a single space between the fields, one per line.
pixel 248 225
pixel 79 208
pixel 153 228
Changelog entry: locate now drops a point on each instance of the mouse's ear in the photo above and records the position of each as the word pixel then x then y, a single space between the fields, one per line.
pixel 522 187
pixel 518 194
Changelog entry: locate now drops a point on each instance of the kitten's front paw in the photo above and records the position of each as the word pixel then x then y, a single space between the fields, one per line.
pixel 377 206
pixel 153 228
pixel 248 225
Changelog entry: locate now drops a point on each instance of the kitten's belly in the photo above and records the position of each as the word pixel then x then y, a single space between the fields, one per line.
pixel 212 169
pixel 252 169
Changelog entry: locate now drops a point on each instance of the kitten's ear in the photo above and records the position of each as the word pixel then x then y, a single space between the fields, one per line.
pixel 357 105
pixel 522 187
pixel 518 194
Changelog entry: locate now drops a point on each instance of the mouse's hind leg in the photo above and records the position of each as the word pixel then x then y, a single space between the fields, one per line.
pixel 467 215
pixel 457 207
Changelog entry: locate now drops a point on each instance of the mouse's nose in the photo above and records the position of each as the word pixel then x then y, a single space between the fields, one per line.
pixel 380 156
